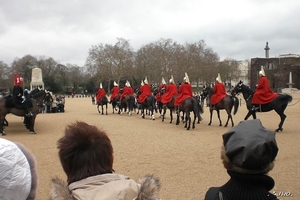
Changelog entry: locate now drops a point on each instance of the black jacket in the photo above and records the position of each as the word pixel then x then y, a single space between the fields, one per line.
pixel 243 187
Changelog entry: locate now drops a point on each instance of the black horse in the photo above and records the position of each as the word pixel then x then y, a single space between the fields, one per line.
pixel 226 104
pixel 127 103
pixel 158 96
pixel 103 101
pixel 149 104
pixel 278 104
pixel 187 106
pixel 114 104
pixel 170 105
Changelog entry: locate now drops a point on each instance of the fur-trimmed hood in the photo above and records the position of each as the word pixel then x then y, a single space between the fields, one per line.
pixel 149 187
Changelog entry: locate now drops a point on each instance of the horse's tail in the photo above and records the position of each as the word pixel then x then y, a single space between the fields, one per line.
pixel 235 104
pixel 285 97
pixel 196 108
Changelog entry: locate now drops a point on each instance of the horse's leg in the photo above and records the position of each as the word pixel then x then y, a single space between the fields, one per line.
pixel 282 118
pixel 178 116
pixel 98 108
pixel 102 109
pixel 142 112
pixel 171 115
pixel 31 121
pixel 106 109
pixel 2 118
pixel 228 117
pixel 195 116
pixel 250 112
pixel 211 114
pixel 152 113
pixel 218 112
pixel 164 110
pixel 188 120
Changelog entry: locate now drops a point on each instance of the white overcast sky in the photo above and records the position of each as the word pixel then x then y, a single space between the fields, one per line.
pixel 66 29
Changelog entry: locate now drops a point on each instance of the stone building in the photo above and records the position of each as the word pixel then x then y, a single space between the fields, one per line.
pixel 277 70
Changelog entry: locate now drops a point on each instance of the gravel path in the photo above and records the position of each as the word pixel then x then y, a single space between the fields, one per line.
pixel 187 162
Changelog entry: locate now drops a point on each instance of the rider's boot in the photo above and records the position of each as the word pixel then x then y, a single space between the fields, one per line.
pixel 254 107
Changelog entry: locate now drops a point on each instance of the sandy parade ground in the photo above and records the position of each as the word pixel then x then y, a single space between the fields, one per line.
pixel 187 162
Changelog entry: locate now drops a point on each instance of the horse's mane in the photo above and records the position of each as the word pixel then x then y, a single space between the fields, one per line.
pixel 38 94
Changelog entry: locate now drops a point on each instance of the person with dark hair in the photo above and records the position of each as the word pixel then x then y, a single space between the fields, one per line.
pixel 18 174
pixel 86 156
pixel 248 154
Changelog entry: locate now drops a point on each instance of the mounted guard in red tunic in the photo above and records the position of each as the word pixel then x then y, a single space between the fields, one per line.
pixel 263 93
pixel 219 91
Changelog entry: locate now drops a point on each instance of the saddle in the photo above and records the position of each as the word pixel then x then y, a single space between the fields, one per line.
pixel 11 102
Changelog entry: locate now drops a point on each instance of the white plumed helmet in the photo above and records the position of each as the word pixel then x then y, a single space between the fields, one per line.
pixel 186 78
pixel 219 78
pixel 163 80
pixel 262 71
pixel 146 81
pixel 172 79
pixel 115 84
pixel 101 85
pixel 142 83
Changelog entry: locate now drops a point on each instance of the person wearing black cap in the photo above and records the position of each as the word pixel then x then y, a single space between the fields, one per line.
pixel 248 154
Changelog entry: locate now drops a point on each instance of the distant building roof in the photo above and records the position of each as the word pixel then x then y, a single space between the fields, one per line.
pixel 288 56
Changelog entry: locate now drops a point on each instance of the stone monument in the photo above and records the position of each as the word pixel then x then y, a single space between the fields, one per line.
pixel 36 79
pixel 290 88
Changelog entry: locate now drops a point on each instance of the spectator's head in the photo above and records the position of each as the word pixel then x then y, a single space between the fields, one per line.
pixel 85 151
pixel 18 176
pixel 249 148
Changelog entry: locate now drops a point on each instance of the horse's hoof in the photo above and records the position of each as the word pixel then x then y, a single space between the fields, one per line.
pixel 279 129
pixel 3 134
pixel 209 124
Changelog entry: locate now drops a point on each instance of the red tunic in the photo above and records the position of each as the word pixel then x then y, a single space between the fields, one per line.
pixel 146 91
pixel 185 91
pixel 171 91
pixel 263 92
pixel 114 92
pixel 218 94
pixel 101 93
pixel 126 91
